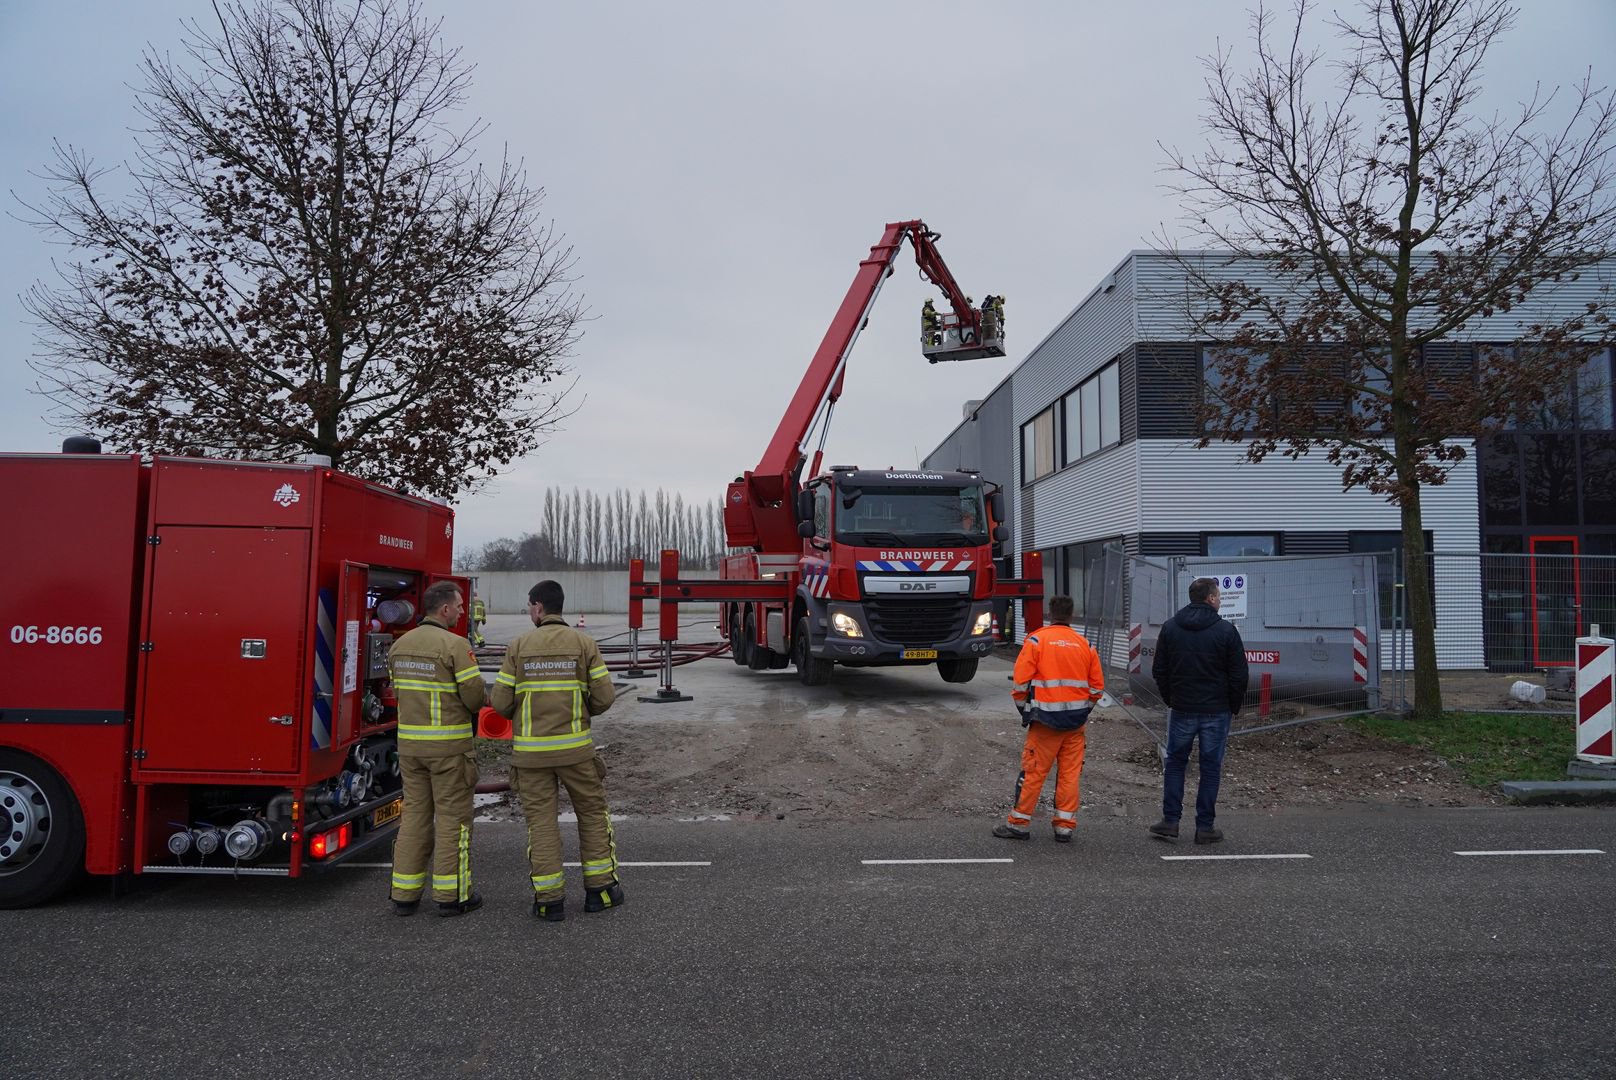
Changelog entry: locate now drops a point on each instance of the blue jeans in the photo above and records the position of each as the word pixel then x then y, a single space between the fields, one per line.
pixel 1183 729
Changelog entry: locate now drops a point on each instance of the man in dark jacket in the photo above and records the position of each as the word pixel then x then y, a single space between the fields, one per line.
pixel 1200 669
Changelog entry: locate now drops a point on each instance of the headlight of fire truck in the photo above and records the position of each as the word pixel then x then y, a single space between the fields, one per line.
pixel 846 625
pixel 984 624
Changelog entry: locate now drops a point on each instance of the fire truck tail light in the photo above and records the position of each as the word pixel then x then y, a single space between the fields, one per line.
pixel 323 845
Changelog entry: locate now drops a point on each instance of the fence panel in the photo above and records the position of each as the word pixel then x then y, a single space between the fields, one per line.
pixel 1507 618
pixel 1311 626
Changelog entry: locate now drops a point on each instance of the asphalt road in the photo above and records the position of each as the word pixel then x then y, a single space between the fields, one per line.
pixel 1383 954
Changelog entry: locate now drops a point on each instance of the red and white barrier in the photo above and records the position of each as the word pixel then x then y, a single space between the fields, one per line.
pixel 1360 654
pixel 1136 639
pixel 1596 671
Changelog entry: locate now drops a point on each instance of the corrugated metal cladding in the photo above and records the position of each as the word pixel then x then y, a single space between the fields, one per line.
pixel 1216 490
pixel 1166 303
pixel 960 446
pixel 1169 543
pixel 1091 337
pixel 1098 497
pixel 1169 381
pixel 1302 542
pixel 1291 542
pixel 983 444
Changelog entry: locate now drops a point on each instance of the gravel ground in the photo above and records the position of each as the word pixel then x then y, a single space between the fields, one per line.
pixel 901 744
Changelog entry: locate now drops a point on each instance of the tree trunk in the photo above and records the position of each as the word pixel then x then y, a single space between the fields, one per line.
pixel 1421 609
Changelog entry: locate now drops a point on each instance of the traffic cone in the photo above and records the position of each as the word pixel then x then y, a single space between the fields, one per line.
pixel 491 725
pixel 581 624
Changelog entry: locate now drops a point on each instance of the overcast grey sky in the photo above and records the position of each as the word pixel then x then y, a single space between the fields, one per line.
pixel 721 168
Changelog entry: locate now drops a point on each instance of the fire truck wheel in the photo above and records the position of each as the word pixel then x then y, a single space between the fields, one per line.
pixel 42 847
pixel 737 646
pixel 811 669
pixel 757 656
pixel 957 670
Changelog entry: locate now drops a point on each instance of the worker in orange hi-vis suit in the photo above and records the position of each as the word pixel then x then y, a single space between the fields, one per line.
pixel 1057 682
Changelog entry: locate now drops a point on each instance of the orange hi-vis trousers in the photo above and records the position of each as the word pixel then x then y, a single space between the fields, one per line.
pixel 1045 747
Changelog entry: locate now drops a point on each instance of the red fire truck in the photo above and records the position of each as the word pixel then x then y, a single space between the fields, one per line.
pixel 193 666
pixel 872 567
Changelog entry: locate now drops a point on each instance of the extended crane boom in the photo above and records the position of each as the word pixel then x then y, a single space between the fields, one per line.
pixel 760 509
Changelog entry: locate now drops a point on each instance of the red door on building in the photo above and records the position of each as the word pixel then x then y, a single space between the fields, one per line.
pixel 1554 590
pixel 228 627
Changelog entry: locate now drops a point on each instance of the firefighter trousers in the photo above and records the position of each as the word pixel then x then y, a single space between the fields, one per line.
pixel 435 828
pixel 1046 747
pixel 538 788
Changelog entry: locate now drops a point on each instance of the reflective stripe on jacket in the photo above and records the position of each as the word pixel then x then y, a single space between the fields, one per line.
pixel 1058 671
pixel 552 682
pixel 439 691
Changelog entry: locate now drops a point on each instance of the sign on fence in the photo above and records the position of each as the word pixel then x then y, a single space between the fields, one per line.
pixel 1232 589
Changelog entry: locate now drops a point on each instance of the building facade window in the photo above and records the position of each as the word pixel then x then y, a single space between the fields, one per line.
pixel 1583 401
pixel 1038 451
pixel 1218 362
pixel 1082 576
pixel 1388 544
pixel 1596 398
pixel 1235 545
pixel 1092 415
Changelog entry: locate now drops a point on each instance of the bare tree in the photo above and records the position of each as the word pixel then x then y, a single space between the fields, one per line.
pixel 584 530
pixel 310 261
pixel 1382 215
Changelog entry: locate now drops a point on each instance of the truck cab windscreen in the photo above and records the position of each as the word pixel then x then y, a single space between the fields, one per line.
pixel 913 515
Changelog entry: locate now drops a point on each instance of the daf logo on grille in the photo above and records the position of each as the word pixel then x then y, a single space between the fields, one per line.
pixel 917 586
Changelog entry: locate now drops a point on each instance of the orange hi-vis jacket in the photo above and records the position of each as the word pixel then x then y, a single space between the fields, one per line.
pixel 1057 671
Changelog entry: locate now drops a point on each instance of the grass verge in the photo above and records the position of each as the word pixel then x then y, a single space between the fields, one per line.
pixel 1486 747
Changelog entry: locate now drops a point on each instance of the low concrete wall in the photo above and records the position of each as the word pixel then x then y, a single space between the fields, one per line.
pixel 602 592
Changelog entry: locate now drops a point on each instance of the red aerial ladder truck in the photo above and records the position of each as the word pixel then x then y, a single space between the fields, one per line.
pixel 874 567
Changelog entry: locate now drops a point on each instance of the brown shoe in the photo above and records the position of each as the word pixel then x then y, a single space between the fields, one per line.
pixel 1209 836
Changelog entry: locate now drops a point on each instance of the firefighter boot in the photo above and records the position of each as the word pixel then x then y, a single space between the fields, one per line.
pixel 604 899
pixel 402 908
pixel 550 910
pixel 451 908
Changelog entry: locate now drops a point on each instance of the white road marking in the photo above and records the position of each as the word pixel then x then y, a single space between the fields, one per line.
pixel 389 866
pixel 1537 851
pixel 621 862
pixel 1210 858
pixel 928 862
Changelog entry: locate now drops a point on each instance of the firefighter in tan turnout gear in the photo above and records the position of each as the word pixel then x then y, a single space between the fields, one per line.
pixel 552 683
pixel 439 691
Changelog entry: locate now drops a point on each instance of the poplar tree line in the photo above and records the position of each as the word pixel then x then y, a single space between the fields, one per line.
pixel 590 530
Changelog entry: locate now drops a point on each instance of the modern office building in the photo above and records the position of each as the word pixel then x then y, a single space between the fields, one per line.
pixel 1093 436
